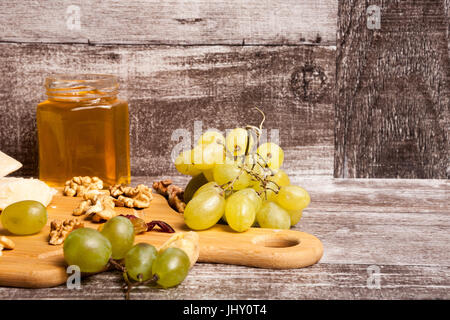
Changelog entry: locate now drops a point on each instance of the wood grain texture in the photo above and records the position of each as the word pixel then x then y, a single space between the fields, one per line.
pixel 169 88
pixel 217 282
pixel 178 22
pixel 409 245
pixel 392 98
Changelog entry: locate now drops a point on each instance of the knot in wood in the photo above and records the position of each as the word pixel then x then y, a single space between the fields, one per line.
pixel 308 83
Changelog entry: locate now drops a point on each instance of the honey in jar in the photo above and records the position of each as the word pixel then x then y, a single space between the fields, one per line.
pixel 83 130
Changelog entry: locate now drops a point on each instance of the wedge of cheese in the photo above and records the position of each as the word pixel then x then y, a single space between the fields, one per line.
pixel 8 164
pixel 19 189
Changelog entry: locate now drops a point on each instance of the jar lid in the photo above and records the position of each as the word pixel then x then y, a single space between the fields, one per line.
pixel 85 86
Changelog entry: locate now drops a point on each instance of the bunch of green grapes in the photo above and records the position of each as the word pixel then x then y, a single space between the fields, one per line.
pixel 240 182
pixel 92 251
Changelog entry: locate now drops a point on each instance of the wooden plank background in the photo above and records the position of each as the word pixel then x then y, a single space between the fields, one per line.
pixel 392 95
pixel 169 88
pixel 191 22
pixel 386 115
pixel 347 100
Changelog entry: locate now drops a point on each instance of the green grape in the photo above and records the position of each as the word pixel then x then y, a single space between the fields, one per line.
pixel 273 216
pixel 212 136
pixel 240 211
pixel 184 164
pixel 204 210
pixel 266 194
pixel 272 154
pixel 24 217
pixel 206 156
pixel 88 249
pixel 224 173
pixel 295 215
pixel 208 174
pixel 208 186
pixel 293 198
pixel 139 261
pixel 236 141
pixel 171 266
pixel 273 183
pixel 280 178
pixel 120 232
pixel 193 185
pixel 252 196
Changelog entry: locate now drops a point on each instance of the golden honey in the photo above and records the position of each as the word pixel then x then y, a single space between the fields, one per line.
pixel 83 130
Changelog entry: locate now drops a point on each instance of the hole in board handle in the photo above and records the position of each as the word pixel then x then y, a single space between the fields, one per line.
pixel 275 241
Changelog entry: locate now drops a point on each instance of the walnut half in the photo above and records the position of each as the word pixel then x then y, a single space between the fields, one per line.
pixel 60 230
pixel 79 186
pixel 98 206
pixel 124 196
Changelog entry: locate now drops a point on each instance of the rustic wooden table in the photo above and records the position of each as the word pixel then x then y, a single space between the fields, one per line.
pixel 356 89
pixel 383 239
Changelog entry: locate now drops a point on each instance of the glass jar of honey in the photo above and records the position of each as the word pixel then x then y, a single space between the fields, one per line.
pixel 83 130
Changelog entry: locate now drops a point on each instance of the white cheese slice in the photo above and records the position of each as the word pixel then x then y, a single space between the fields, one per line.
pixel 19 189
pixel 8 164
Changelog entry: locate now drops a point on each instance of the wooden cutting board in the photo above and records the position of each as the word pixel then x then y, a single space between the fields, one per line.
pixel 36 264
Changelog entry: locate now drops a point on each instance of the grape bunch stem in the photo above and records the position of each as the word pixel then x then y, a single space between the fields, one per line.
pixel 129 284
pixel 268 172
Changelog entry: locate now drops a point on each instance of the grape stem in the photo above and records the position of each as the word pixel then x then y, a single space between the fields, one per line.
pixel 117 265
pixel 129 285
pixel 132 284
pixel 268 172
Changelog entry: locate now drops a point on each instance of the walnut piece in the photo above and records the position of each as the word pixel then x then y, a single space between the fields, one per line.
pixel 175 198
pixel 60 230
pixel 124 196
pixel 173 193
pixel 6 243
pixel 97 206
pixel 161 186
pixel 79 186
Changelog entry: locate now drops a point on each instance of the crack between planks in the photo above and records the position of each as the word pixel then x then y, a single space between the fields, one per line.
pixel 171 44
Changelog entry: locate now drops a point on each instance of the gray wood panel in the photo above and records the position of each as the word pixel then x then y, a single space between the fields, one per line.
pixel 407 247
pixel 170 87
pixel 169 22
pixel 392 98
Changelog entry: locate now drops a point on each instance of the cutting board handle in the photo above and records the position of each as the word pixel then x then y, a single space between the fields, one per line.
pixel 264 248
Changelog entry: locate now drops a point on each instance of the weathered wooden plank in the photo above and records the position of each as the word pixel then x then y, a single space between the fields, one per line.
pixel 170 22
pixel 216 282
pixel 395 197
pixel 171 87
pixel 377 195
pixel 367 221
pixel 374 221
pixel 392 107
pixel 381 238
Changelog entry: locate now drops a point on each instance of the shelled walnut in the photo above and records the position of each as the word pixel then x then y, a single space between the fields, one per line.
pixel 173 193
pixel 138 197
pixel 6 243
pixel 98 206
pixel 161 186
pixel 60 230
pixel 79 186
